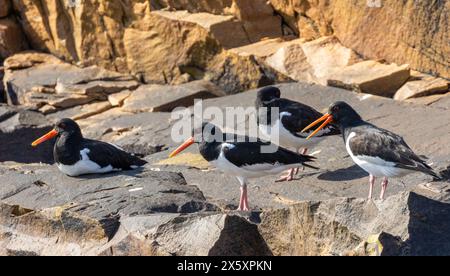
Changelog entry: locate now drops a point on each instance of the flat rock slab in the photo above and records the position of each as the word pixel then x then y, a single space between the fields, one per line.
pixel 100 196
pixel 423 87
pixel 163 98
pixel 371 77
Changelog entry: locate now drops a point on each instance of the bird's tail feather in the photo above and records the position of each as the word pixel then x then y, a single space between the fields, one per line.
pixel 308 158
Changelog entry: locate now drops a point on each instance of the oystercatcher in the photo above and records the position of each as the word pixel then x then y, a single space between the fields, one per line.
pixel 379 152
pixel 75 155
pixel 291 118
pixel 243 160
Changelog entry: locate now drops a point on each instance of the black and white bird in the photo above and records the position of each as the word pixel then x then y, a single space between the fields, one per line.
pixel 244 160
pixel 379 152
pixel 281 121
pixel 75 155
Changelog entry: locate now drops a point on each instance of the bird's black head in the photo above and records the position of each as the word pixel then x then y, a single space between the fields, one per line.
pixel 343 114
pixel 339 113
pixel 65 127
pixel 207 133
pixel 266 94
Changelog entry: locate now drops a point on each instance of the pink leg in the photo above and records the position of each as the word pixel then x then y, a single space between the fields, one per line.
pixel 371 184
pixel 288 176
pixel 243 201
pixel 384 185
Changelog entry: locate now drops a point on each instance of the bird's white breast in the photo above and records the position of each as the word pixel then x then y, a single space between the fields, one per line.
pixel 248 171
pixel 279 135
pixel 84 166
pixel 375 165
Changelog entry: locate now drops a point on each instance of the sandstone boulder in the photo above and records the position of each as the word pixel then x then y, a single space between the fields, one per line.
pixel 292 61
pixel 312 61
pixel 262 49
pixel 326 55
pixel 12 39
pixel 425 86
pixel 225 28
pixel 256 17
pixel 391 30
pixel 371 77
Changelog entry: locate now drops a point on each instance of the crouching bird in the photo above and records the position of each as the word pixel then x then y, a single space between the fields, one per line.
pixel 288 123
pixel 75 155
pixel 244 160
pixel 379 152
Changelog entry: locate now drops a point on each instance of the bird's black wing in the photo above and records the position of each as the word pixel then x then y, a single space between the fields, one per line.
pixel 376 142
pixel 105 154
pixel 297 116
pixel 250 153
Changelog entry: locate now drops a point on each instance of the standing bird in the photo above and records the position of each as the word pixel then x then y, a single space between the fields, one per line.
pixel 243 160
pixel 75 155
pixel 289 121
pixel 379 152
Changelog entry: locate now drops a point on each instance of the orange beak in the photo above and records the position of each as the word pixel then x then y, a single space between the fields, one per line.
pixel 44 138
pixel 328 118
pixel 184 146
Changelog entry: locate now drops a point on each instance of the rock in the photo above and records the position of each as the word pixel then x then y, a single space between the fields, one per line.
pixel 36 82
pixel 97 89
pixel 292 61
pixel 67 100
pixel 12 39
pixel 312 61
pixel 117 99
pixel 158 98
pixel 163 57
pixel 29 59
pixel 130 194
pixel 18 128
pixel 234 73
pixel 179 236
pixel 229 32
pixel 371 77
pixel 143 133
pixel 429 100
pixel 256 17
pixel 394 30
pixel 423 87
pixel 143 46
pixel 80 112
pixel 140 213
pixel 417 224
pixel 5 7
pixel 262 49
pixel 327 55
pixel 62 232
